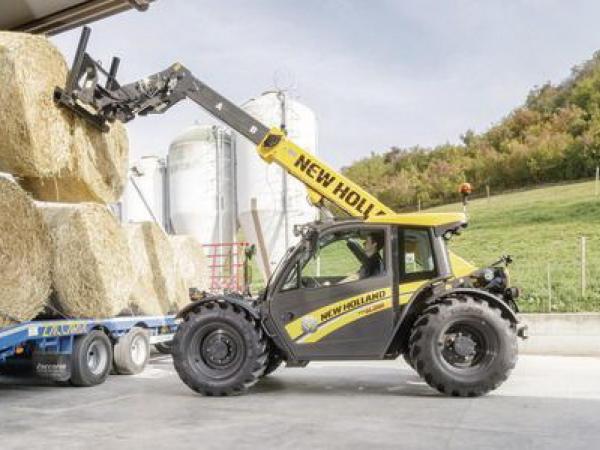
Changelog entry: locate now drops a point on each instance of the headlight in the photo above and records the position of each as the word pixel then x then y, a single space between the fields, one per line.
pixel 488 275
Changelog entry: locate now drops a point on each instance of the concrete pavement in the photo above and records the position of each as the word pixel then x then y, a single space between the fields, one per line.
pixel 548 403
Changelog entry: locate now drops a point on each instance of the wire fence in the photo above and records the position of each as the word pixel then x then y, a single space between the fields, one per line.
pixel 568 282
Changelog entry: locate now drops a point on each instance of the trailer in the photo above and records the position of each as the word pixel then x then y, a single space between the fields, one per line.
pixel 82 352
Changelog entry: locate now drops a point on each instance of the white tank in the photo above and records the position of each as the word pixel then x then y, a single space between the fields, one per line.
pixel 202 184
pixel 145 193
pixel 281 200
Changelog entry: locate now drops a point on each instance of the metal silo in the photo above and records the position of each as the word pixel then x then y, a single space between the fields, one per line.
pixel 202 184
pixel 145 194
pixel 270 202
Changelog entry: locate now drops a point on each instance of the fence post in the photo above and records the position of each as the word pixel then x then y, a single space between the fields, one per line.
pixel 549 288
pixel 487 192
pixel 419 204
pixel 583 266
pixel 597 188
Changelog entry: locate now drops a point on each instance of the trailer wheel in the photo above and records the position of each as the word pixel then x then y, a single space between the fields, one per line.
pixel 164 347
pixel 91 359
pixel 132 352
pixel 463 346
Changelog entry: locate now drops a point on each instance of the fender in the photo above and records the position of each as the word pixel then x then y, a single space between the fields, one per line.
pixel 422 299
pixel 237 300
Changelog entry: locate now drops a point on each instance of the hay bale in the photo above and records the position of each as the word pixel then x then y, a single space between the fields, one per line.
pixel 158 275
pixel 25 256
pixel 92 274
pixel 144 297
pixel 191 262
pixel 59 156
pixel 35 135
pixel 97 170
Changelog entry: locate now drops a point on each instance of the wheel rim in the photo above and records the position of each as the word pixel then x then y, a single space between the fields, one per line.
pixel 139 350
pixel 468 345
pixel 218 351
pixel 96 358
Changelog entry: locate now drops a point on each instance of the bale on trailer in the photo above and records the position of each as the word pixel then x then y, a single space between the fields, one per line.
pixel 92 274
pixel 58 156
pixel 191 262
pixel 144 298
pixel 25 256
pixel 157 270
pixel 35 136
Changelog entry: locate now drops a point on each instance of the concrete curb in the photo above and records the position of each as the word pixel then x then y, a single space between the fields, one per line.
pixel 571 334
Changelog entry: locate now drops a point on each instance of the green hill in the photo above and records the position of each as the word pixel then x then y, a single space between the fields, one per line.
pixel 541 229
pixel 554 136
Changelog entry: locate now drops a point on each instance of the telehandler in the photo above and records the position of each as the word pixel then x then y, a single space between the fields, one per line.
pixel 402 293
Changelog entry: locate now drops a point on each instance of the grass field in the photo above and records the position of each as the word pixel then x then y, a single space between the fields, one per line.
pixel 541 228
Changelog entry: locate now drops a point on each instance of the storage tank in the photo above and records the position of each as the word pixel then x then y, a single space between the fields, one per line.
pixel 281 200
pixel 145 194
pixel 202 184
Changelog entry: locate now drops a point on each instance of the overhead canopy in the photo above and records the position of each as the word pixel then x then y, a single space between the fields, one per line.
pixel 55 16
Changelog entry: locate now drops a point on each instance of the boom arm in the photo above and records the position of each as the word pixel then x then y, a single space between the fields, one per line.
pixel 99 104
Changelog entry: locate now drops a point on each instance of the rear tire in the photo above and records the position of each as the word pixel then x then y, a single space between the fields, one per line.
pixel 132 352
pixel 91 359
pixel 219 350
pixel 463 346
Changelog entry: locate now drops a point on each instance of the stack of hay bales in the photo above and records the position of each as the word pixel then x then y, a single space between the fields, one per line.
pixel 191 262
pixel 92 273
pixel 25 256
pixel 56 155
pixel 159 288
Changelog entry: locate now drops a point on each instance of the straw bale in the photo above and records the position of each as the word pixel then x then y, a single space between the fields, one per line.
pixel 97 171
pixel 58 155
pixel 35 135
pixel 158 275
pixel 92 273
pixel 25 256
pixel 144 297
pixel 191 262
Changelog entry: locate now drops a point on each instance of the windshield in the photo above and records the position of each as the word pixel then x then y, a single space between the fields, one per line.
pixel 281 265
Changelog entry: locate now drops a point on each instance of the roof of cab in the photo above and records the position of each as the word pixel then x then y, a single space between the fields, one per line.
pixel 420 219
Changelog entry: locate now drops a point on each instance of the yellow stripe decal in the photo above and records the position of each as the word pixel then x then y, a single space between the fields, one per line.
pixel 317 324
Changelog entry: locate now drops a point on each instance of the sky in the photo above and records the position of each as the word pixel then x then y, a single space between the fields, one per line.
pixel 377 73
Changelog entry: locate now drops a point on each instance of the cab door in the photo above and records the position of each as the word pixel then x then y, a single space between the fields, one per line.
pixel 335 301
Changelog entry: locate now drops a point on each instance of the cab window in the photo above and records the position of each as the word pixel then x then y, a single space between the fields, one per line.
pixel 416 254
pixel 340 257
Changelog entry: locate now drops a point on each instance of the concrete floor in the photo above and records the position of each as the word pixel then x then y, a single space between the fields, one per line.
pixel 548 403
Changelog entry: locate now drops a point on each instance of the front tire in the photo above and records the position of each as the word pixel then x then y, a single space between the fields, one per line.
pixel 463 346
pixel 219 350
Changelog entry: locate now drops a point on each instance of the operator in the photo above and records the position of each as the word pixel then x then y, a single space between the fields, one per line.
pixel 373 265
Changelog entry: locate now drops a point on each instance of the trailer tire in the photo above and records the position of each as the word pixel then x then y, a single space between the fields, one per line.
pixel 219 350
pixel 91 360
pixel 164 347
pixel 132 351
pixel 463 346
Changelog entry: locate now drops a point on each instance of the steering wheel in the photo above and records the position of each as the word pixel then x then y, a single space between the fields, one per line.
pixel 310 282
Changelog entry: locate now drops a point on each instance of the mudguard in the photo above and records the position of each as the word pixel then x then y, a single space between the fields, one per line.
pixel 238 300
